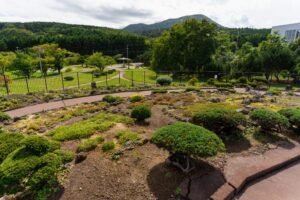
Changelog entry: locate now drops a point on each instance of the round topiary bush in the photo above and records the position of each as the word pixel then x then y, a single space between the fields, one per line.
pixel 211 81
pixel 164 81
pixel 183 140
pixel 4 117
pixel 36 144
pixel 242 80
pixel 219 120
pixel 269 120
pixel 140 113
pixel 68 78
pixel 293 114
pixel 193 81
pixel 136 98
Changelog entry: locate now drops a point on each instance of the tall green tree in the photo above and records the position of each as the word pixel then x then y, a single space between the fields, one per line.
pixel 23 65
pixel 187 46
pixel 275 56
pixel 99 60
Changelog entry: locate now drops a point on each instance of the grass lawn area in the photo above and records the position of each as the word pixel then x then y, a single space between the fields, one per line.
pixel 138 75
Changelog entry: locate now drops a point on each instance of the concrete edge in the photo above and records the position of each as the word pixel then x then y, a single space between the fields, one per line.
pixel 228 191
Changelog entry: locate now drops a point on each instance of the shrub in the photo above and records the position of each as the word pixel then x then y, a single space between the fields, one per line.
pixel 164 81
pixel 269 120
pixel 112 99
pixel 293 114
pixel 68 70
pixel 222 85
pixel 8 143
pixel 219 119
pixel 136 98
pixel 192 89
pixel 159 91
pixel 242 80
pixel 4 117
pixel 89 144
pixel 68 78
pixel 211 81
pixel 36 145
pixel 187 139
pixel 125 136
pixel 108 146
pixel 140 113
pixel 193 81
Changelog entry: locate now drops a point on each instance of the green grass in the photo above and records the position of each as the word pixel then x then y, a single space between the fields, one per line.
pixel 89 144
pixel 125 136
pixel 138 75
pixel 108 146
pixel 85 129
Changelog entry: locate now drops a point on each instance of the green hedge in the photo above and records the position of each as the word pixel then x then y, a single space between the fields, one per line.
pixel 293 114
pixel 164 81
pixel 140 113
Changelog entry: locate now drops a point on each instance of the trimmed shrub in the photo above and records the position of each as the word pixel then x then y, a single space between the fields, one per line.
pixel 125 136
pixel 68 78
pixel 112 99
pixel 269 120
pixel 89 144
pixel 188 139
pixel 193 81
pixel 140 113
pixel 4 117
pixel 211 81
pixel 164 80
pixel 108 146
pixel 293 114
pixel 242 80
pixel 136 98
pixel 219 119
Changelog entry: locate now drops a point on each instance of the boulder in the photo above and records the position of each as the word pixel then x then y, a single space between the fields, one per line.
pixel 80 157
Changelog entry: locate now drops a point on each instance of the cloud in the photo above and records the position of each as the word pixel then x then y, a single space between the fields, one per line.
pixel 105 12
pixel 241 21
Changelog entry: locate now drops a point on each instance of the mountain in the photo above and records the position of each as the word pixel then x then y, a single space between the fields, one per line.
pixel 157 28
pixel 76 38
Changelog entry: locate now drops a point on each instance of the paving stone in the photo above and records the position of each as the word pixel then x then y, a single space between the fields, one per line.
pixel 225 192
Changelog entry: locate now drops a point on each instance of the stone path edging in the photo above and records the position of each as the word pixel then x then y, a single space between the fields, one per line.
pixel 272 162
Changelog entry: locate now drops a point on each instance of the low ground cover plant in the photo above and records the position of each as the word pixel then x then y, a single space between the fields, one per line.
pixel 184 140
pixel 193 81
pixel 140 113
pixel 126 136
pixel 112 99
pixel 33 165
pixel 164 80
pixel 136 98
pixel 108 146
pixel 220 120
pixel 89 144
pixel 159 91
pixel 4 117
pixel 84 129
pixel 69 78
pixel 8 143
pixel 293 114
pixel 269 120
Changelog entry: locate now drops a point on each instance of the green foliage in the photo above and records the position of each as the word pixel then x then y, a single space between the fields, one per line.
pixel 219 119
pixel 68 78
pixel 136 98
pixel 222 84
pixel 89 144
pixel 140 113
pixel 193 81
pixel 188 139
pixel 242 80
pixel 164 80
pixel 8 143
pixel 108 146
pixel 100 61
pixel 159 91
pixel 211 81
pixel 112 99
pixel 4 117
pixel 36 145
pixel 125 136
pixel 66 156
pixel 293 114
pixel 102 122
pixel 269 120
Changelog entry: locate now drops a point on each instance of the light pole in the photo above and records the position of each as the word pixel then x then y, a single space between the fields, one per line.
pixel 41 66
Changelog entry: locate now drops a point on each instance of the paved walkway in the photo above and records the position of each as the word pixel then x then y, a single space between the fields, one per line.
pixel 64 103
pixel 282 185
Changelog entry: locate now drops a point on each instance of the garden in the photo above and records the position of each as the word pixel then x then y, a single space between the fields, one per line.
pixel 141 147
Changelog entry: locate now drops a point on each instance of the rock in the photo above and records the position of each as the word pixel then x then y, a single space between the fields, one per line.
pixel 5 198
pixel 17 119
pixel 6 123
pixel 274 100
pixel 215 100
pixel 42 129
pixel 80 157
pixel 247 101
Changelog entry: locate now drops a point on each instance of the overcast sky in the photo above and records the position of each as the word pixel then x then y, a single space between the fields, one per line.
pixel 119 13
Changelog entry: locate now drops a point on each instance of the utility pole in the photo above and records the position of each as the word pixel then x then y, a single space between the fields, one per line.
pixel 41 66
pixel 127 50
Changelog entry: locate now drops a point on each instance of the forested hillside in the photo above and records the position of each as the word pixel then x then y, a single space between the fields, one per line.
pixel 75 38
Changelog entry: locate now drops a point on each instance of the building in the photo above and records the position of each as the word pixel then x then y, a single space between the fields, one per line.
pixel 290 31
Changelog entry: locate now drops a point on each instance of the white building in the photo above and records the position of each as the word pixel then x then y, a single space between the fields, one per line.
pixel 290 31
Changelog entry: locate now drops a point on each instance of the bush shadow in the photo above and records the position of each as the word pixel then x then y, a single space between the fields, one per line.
pixel 273 138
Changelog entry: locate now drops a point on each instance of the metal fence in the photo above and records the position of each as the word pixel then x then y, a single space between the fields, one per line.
pixel 128 78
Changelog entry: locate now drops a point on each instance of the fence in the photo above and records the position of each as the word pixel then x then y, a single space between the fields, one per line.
pixel 128 78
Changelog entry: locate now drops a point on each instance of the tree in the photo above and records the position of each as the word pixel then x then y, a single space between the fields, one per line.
pixel 5 61
pixel 184 140
pixel 275 56
pixel 23 64
pixel 295 47
pixel 99 60
pixel 187 46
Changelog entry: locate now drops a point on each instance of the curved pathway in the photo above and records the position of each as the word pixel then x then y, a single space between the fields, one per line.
pixel 64 103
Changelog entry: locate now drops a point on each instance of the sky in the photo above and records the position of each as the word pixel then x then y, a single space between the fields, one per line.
pixel 119 13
